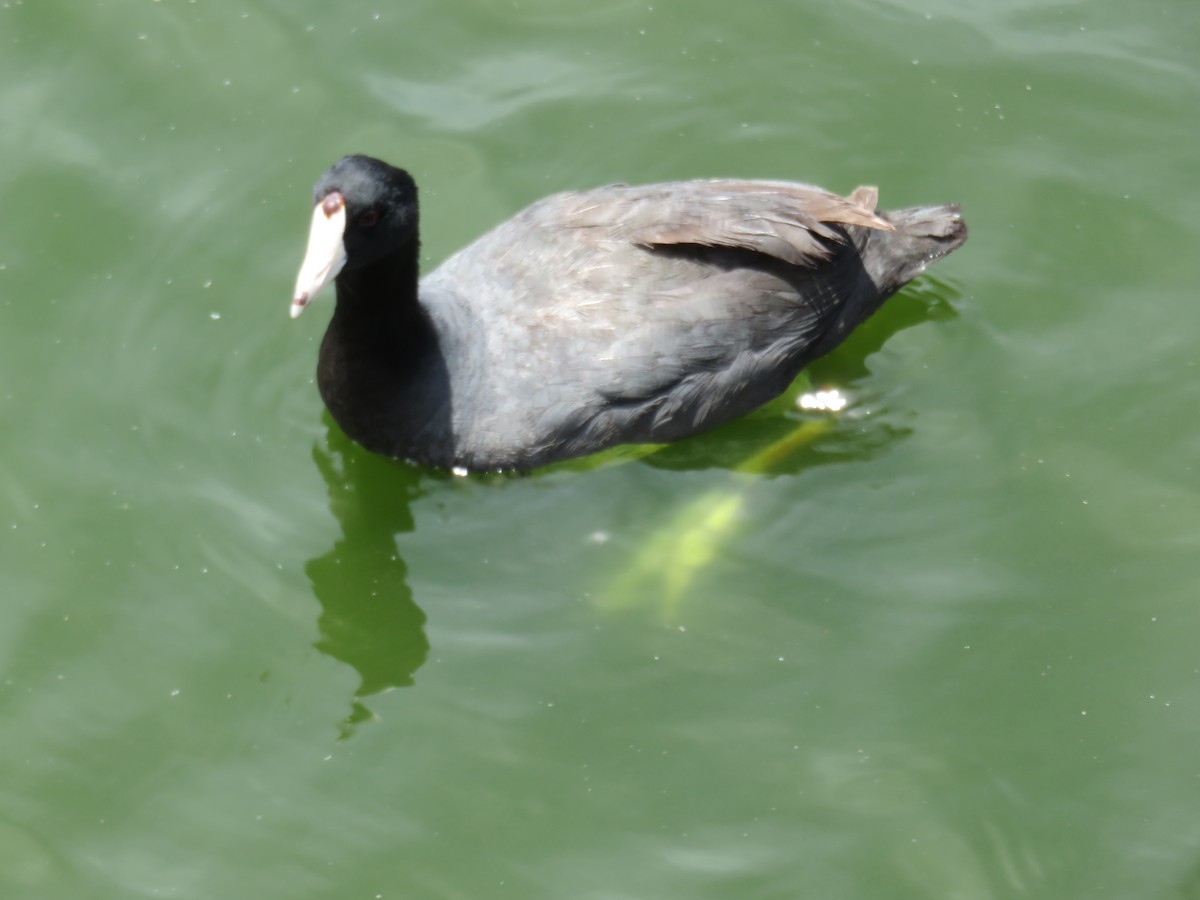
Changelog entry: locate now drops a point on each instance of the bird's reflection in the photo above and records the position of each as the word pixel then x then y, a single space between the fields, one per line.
pixel 368 617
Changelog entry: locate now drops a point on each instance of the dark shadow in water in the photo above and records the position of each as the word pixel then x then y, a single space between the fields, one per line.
pixel 368 617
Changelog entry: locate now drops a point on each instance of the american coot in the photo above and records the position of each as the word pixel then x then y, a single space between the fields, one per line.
pixel 592 318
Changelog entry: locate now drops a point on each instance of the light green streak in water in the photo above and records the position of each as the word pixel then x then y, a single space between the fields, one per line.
pixel 666 567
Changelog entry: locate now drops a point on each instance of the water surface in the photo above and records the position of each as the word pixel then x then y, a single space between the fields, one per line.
pixel 945 646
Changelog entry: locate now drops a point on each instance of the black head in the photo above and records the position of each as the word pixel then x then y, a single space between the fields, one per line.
pixel 364 213
pixel 381 207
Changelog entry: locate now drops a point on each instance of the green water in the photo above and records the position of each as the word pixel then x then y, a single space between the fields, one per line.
pixel 948 646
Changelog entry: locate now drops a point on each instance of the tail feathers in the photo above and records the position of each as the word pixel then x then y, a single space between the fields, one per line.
pixel 942 221
pixel 917 237
pixel 922 235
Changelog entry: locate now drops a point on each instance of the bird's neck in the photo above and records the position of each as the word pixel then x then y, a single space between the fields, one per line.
pixel 377 304
pixel 380 367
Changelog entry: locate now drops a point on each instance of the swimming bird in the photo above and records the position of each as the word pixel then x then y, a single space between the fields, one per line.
pixel 622 314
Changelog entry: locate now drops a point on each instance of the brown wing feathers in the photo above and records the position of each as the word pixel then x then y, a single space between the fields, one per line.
pixel 788 221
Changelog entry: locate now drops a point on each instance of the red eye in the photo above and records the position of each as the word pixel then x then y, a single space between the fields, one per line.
pixel 369 218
